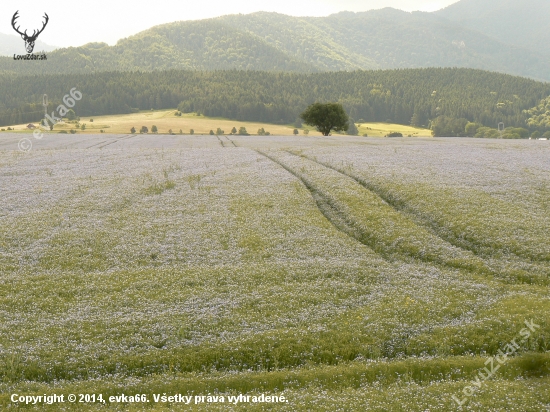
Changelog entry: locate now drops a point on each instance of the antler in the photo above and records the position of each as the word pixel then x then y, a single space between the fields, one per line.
pixel 43 25
pixel 13 19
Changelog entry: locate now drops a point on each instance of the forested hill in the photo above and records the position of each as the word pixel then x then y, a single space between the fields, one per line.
pixel 378 39
pixel 522 23
pixel 403 96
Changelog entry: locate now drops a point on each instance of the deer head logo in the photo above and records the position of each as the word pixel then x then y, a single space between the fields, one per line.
pixel 29 40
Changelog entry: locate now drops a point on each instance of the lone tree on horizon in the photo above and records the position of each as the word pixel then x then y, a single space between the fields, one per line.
pixel 326 117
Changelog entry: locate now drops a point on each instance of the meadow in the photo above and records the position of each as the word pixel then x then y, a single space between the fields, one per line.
pixel 343 273
pixel 166 120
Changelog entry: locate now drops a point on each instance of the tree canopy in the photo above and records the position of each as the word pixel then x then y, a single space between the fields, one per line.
pixel 326 117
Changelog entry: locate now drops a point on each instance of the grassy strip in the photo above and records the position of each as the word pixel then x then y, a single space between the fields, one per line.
pixel 348 375
pixel 465 239
pixel 374 222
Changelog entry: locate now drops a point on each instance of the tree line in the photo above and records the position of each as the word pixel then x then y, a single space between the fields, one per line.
pixel 404 96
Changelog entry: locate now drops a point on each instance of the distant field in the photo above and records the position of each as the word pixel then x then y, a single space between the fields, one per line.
pixel 383 129
pixel 343 273
pixel 166 120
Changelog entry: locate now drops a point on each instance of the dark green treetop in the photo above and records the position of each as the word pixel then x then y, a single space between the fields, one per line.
pixel 326 117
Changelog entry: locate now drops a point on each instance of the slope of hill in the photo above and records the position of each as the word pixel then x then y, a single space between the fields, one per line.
pixel 379 39
pixel 395 96
pixel 522 23
pixel 193 45
pixel 386 39
pixel 11 44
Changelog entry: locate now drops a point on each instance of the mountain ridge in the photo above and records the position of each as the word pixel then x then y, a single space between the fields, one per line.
pixel 378 39
pixel 520 23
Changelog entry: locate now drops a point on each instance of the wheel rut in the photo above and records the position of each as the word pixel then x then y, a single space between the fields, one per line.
pixel 365 216
pixel 327 208
pixel 428 224
pixel 397 205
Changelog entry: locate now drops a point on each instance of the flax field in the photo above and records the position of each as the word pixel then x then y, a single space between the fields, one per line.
pixel 343 273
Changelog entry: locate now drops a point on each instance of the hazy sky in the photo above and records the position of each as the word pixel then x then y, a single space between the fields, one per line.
pixel 74 23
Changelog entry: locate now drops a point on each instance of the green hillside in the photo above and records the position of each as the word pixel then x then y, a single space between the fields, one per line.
pixel 379 39
pixel 193 45
pixel 390 38
pixel 405 96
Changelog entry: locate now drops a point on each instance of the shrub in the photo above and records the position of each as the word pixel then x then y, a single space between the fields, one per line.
pixel 516 132
pixel 185 107
pixel 482 131
pixel 63 132
pixel 191 131
pixel 211 132
pixel 472 128
pixel 444 126
pixel 133 130
pixel 73 131
pixel 395 134
pixel 352 128
pixel 154 129
pixel 492 134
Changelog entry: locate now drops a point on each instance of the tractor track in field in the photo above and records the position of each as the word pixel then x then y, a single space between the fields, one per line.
pixel 345 223
pixel 225 143
pixel 232 142
pixel 327 208
pixel 399 206
pixel 118 140
pixel 420 219
pixel 97 145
